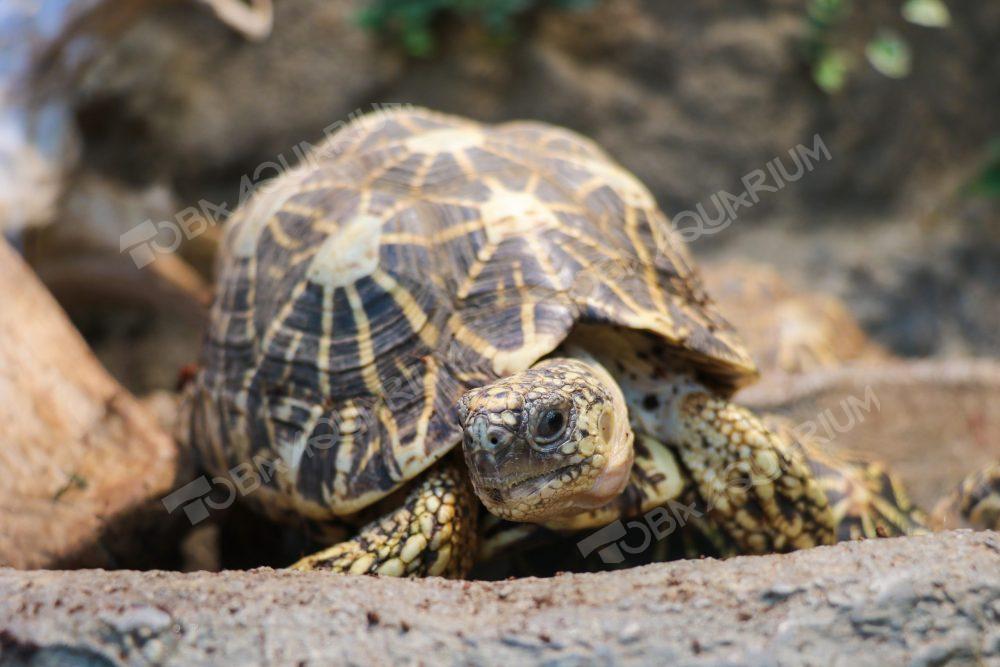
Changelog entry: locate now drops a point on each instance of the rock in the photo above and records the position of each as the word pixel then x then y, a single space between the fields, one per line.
pixel 112 260
pixel 691 99
pixel 800 608
pixel 83 466
pixel 802 330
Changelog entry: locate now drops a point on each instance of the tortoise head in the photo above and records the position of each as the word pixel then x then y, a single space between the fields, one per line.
pixel 549 442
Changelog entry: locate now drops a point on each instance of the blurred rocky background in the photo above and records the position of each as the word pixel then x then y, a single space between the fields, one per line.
pixel 123 111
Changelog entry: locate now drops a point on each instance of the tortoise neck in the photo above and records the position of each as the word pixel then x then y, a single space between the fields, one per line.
pixel 650 382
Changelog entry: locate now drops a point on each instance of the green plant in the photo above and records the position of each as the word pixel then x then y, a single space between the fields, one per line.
pixel 987 181
pixel 412 21
pixel 831 62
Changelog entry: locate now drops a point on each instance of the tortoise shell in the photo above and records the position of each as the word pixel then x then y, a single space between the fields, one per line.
pixel 417 255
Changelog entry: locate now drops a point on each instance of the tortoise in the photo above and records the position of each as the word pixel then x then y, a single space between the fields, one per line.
pixel 424 281
pixel 790 330
pixel 787 330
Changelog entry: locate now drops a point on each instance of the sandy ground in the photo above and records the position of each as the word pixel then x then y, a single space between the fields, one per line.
pixel 919 601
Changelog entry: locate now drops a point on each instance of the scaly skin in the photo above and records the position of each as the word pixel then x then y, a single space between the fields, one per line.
pixel 759 491
pixel 433 533
pixel 762 492
pixel 520 479
pixel 793 330
pixel 974 504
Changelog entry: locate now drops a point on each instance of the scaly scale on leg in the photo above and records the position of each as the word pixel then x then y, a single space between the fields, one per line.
pixel 867 501
pixel 432 534
pixel 974 504
pixel 758 489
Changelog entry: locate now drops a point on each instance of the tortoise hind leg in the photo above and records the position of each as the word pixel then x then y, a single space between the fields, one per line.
pixel 974 504
pixel 866 499
pixel 433 533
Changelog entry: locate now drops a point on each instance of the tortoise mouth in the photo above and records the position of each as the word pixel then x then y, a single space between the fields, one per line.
pixel 553 494
pixel 499 487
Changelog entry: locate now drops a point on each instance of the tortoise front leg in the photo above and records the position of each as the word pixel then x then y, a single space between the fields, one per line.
pixel 432 534
pixel 759 488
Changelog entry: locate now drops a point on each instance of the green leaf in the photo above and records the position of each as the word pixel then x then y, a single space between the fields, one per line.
pixel 412 22
pixel 830 71
pixel 889 54
pixel 987 182
pixel 928 13
pixel 827 12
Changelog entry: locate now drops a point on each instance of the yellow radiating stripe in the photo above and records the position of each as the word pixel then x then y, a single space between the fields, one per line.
pixel 404 238
pixel 420 175
pixel 345 455
pixel 449 234
pixel 623 296
pixel 574 234
pixel 423 421
pixel 554 180
pixel 279 319
pixel 401 203
pixel 384 169
pixel 366 353
pixel 412 311
pixel 534 178
pixel 366 349
pixel 464 163
pixel 325 184
pixel 540 255
pixel 407 122
pixel 389 423
pixel 527 307
pixel 308 253
pixel 459 230
pixel 305 210
pixel 652 284
pixel 323 360
pixel 470 338
pixel 430 197
pixel 293 348
pixel 593 184
pixel 476 268
pixel 364 202
pixel 326 226
pixel 279 234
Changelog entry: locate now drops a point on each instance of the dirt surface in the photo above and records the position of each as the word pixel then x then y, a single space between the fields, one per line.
pixel 919 601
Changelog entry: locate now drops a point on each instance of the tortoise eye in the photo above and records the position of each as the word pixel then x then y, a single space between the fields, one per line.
pixel 551 424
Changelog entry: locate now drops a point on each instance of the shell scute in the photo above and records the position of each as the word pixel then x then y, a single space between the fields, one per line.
pixel 420 255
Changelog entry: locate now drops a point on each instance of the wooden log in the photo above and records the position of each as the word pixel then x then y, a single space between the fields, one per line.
pixel 82 464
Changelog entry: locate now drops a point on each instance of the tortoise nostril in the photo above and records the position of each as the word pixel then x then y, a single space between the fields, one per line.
pixel 497 437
